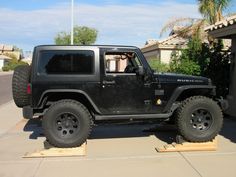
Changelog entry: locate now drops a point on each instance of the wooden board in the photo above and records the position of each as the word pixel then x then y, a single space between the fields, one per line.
pixel 188 146
pixel 58 152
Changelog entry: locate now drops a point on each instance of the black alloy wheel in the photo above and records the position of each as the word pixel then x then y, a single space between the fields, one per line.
pixel 66 125
pixel 201 120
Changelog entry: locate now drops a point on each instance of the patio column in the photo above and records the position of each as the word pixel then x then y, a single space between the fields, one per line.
pixel 232 87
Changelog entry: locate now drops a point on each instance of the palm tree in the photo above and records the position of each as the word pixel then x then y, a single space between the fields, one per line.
pixel 212 10
pixel 188 27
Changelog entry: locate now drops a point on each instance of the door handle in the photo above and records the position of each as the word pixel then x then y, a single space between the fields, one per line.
pixel 109 82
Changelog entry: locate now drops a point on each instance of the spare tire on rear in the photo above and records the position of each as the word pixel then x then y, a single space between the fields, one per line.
pixel 20 81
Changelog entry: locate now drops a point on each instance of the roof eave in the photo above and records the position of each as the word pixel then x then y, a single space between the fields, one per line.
pixel 173 46
pixel 225 32
pixel 223 29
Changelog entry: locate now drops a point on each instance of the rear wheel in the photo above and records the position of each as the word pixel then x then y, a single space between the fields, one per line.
pixel 199 119
pixel 67 123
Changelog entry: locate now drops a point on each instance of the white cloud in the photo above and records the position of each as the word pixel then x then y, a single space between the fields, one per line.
pixel 117 24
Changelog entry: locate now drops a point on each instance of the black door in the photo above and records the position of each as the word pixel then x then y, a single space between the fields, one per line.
pixel 122 90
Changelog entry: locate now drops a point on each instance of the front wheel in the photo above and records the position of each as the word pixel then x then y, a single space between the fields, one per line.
pixel 67 123
pixel 199 119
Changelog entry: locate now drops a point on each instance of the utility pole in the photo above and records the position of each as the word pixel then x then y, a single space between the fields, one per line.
pixel 72 23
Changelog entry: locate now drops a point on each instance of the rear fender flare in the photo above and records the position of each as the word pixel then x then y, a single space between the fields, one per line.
pixel 43 97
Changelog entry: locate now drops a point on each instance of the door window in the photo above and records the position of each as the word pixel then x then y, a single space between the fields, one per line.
pixel 121 62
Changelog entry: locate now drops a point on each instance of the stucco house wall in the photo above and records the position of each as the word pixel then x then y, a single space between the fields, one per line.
pixel 163 50
pixel 152 54
pixel 3 61
pixel 166 56
pixel 1 64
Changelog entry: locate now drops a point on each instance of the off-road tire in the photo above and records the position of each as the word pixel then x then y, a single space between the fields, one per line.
pixel 186 115
pixel 20 81
pixel 54 132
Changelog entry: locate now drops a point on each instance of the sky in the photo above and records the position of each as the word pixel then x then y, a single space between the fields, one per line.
pixel 28 23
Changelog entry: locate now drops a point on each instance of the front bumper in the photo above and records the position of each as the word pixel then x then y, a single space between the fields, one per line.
pixel 224 104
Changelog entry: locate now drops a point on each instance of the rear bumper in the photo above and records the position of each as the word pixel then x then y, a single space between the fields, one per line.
pixel 27 112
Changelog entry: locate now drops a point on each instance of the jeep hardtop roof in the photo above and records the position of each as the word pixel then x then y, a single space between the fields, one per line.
pixel 84 46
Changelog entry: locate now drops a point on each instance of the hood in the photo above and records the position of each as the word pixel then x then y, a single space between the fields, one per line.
pixel 182 79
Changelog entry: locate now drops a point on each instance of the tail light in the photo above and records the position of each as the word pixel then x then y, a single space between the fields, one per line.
pixel 29 91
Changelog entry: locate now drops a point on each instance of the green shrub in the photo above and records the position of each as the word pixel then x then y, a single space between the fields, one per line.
pixel 5 68
pixel 187 61
pixel 218 67
pixel 158 66
pixel 13 63
pixel 209 60
pixel 184 66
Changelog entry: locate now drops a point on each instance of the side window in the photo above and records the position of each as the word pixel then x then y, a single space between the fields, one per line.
pixel 66 62
pixel 121 62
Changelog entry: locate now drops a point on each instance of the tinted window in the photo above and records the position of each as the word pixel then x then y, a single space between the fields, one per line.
pixel 66 62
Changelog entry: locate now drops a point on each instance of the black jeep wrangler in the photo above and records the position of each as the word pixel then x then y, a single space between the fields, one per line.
pixel 73 87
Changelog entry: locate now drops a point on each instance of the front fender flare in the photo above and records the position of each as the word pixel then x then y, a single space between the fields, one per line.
pixel 180 89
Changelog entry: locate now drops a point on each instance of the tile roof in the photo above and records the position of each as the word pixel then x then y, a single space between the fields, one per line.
pixel 223 23
pixel 151 41
pixel 6 47
pixel 172 42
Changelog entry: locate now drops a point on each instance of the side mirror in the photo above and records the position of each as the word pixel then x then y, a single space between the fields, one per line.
pixel 140 71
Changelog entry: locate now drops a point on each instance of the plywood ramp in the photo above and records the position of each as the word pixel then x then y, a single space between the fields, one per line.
pixel 188 146
pixel 58 152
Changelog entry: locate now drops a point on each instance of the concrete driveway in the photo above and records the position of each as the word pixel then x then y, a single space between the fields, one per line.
pixel 113 151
